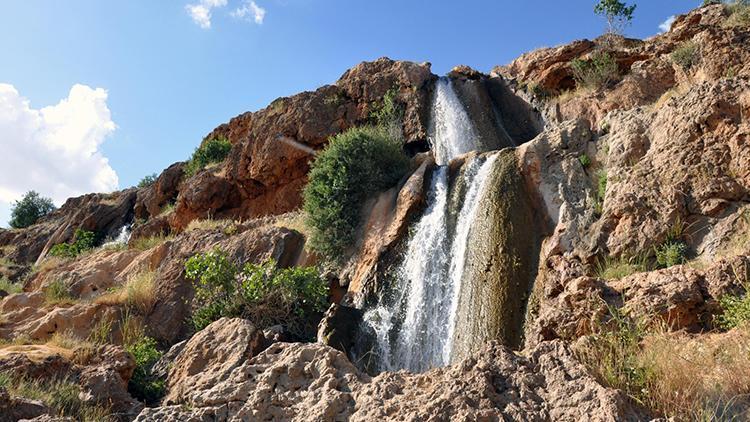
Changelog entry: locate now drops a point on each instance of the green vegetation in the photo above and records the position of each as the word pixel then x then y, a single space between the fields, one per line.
pixel 596 72
pixel 617 13
pixel 83 241
pixel 147 180
pixel 29 210
pixel 686 55
pixel 585 161
pixel 57 292
pixel 355 165
pixel 61 395
pixel 263 294
pixel 601 191
pixel 10 287
pixel 144 385
pixel 736 311
pixel 146 243
pixel 671 253
pixel 389 111
pixel 739 13
pixel 211 151
pixel 610 268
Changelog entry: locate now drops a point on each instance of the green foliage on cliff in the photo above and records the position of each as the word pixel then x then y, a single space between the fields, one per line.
pixel 29 210
pixel 261 293
pixel 617 13
pixel 147 180
pixel 595 72
pixel 143 385
pixel 686 55
pixel 211 151
pixel 83 241
pixel 355 165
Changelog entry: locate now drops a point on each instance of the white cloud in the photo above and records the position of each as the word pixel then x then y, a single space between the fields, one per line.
pixel 54 150
pixel 201 11
pixel 250 11
pixel 667 24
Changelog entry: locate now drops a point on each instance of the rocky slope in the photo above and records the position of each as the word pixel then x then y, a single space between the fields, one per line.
pixel 670 141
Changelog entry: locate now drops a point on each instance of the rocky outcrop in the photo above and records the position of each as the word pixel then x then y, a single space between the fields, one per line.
pixel 304 381
pixel 211 356
pixel 163 191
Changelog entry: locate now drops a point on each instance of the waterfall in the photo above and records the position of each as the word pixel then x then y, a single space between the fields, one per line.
pixel 122 237
pixel 452 131
pixel 413 323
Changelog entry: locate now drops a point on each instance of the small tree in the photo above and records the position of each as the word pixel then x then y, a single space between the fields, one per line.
pixel 617 13
pixel 30 209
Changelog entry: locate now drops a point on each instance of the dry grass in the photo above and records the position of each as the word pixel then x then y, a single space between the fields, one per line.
pixel 294 220
pixel 146 243
pixel 229 227
pixel 138 293
pixel 9 286
pixel 166 209
pixel 58 293
pixel 698 377
pixel 49 263
pixel 739 14
pixel 685 377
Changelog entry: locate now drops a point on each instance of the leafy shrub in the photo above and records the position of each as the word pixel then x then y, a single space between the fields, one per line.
pixel 29 210
pixel 686 55
pixel 263 294
pixel 389 111
pixel 601 191
pixel 147 180
pixel 144 385
pixel 736 311
pixel 596 72
pixel 83 241
pixel 354 165
pixel 670 253
pixel 211 151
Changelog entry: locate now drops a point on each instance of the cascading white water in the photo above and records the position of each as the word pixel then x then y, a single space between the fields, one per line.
pixel 413 323
pixel 452 131
pixel 122 237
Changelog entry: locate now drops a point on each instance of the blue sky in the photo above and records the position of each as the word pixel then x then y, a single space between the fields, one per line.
pixel 167 79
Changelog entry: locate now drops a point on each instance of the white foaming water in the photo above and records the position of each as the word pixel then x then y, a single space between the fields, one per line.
pixel 413 323
pixel 452 132
pixel 122 237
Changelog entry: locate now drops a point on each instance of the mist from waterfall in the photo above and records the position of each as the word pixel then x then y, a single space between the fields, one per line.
pixel 413 321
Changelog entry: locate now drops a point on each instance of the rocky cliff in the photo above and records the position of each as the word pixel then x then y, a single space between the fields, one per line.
pixel 594 187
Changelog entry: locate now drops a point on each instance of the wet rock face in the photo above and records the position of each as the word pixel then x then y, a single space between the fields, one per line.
pixel 307 381
pixel 501 266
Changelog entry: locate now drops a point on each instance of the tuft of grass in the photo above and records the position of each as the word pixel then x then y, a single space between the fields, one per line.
pixel 601 191
pixel 596 72
pixel 739 14
pixel 610 268
pixel 57 293
pixel 9 286
pixel 60 395
pixel 227 226
pixel 138 293
pixel 146 243
pixel 167 209
pixel 670 253
pixel 686 55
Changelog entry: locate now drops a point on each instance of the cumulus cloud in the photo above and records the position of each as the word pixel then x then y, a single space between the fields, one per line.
pixel 250 11
pixel 201 12
pixel 667 24
pixel 55 150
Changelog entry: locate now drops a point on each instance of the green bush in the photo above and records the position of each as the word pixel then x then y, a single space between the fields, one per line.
pixel 83 241
pixel 211 151
pixel 147 180
pixel 736 311
pixel 596 72
pixel 262 294
pixel 143 384
pixel 585 160
pixel 601 191
pixel 670 253
pixel 387 112
pixel 29 210
pixel 355 165
pixel 686 55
